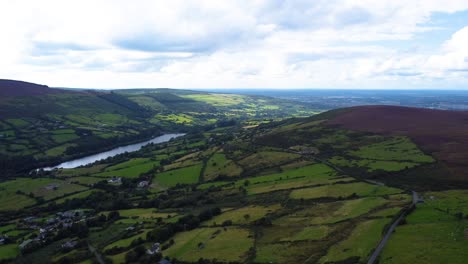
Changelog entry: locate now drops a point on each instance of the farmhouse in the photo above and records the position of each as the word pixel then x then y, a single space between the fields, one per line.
pixel 155 248
pixel 115 180
pixel 143 184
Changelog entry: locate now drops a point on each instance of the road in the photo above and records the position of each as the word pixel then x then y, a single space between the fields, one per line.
pixel 98 256
pixel 384 240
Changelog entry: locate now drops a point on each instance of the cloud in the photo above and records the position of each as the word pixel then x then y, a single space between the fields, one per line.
pixel 242 43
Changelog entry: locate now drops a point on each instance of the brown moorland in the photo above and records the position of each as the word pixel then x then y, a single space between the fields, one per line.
pixel 441 133
pixel 20 88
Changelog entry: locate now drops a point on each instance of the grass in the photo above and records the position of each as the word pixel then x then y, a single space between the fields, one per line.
pixel 363 239
pixel 218 165
pixel 9 251
pixel 395 149
pixel 244 215
pixel 432 234
pixel 85 180
pixel 62 138
pixel 330 213
pixel 266 159
pixel 41 187
pixel 230 245
pixel 187 175
pixel 292 178
pixel 373 165
pixel 360 189
pixel 145 213
pixel 310 233
pixel 126 242
pixel 76 196
pixel 217 99
pixel 59 150
pixel 9 200
pixel 130 169
pixel 81 171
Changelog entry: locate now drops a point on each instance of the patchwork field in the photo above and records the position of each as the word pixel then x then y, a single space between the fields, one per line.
pixel 435 232
pixel 230 244
pixel 360 189
pixel 188 175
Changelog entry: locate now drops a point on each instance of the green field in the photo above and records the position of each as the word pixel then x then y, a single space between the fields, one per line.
pixel 396 149
pixel 227 245
pixel 188 175
pixel 360 189
pixel 218 165
pixel 130 169
pixel 363 239
pixel 41 187
pixel 244 215
pixel 433 233
pixel 126 242
pixel 9 200
pixel 9 251
pixel 267 159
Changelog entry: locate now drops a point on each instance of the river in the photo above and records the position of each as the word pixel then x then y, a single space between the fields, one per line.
pixel 113 152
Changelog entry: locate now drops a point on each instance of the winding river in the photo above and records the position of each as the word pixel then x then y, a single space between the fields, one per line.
pixel 113 152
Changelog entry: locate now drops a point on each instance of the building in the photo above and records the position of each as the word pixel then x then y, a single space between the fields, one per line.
pixel 115 180
pixel 143 184
pixel 154 249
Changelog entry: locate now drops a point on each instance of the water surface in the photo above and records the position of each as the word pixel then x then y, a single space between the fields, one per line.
pixel 113 152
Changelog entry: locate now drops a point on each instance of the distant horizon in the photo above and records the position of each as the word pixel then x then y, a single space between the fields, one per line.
pixel 337 44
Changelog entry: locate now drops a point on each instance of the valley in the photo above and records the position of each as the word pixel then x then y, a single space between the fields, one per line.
pixel 247 183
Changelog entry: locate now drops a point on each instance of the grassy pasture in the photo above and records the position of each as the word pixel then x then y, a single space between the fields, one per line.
pixel 126 242
pixel 145 213
pixel 59 150
pixel 41 187
pixel 433 233
pixel 187 175
pixel 330 213
pixel 363 239
pixel 396 149
pixel 85 180
pixel 310 233
pixel 62 138
pixel 343 190
pixel 299 177
pixel 81 171
pixel 76 196
pixel 9 200
pixel 244 215
pixel 227 245
pixel 373 165
pixel 129 169
pixel 9 251
pixel 267 159
pixel 217 99
pixel 218 165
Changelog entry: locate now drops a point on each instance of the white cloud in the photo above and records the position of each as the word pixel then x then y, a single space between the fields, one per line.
pixel 210 43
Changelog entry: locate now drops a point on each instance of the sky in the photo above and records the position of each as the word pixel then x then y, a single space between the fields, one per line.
pixel 397 44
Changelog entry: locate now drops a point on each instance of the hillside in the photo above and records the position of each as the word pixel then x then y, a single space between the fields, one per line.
pixel 301 190
pixel 18 88
pixel 443 134
pixel 41 125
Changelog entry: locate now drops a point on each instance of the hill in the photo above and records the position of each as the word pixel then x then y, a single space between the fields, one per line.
pixel 301 190
pixel 441 133
pixel 40 125
pixel 355 137
pixel 19 88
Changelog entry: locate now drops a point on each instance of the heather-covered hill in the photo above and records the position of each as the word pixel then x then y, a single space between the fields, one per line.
pixel 19 88
pixel 443 134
